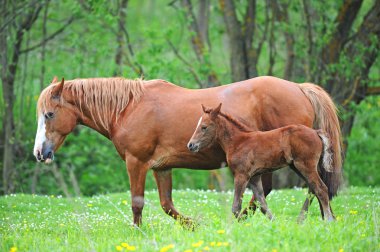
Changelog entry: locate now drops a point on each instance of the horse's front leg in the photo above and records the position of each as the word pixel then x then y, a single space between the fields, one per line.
pixel 137 174
pixel 240 182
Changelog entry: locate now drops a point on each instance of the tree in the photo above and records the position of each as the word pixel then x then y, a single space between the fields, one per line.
pixel 15 24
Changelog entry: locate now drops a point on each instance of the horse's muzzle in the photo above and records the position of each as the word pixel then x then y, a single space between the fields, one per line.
pixel 45 157
pixel 193 147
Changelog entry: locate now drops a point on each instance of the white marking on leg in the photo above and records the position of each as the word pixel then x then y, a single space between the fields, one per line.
pixel 40 135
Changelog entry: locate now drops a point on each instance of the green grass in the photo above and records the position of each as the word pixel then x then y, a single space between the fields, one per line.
pixel 100 223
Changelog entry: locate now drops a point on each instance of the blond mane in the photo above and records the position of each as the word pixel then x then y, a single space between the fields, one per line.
pixel 104 98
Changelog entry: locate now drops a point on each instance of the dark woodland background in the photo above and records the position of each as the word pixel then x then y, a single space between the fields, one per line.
pixel 195 44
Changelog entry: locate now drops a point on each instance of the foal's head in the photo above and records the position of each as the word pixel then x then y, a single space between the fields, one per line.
pixel 56 119
pixel 205 132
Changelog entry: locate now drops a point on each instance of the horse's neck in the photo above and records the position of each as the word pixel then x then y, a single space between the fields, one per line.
pixel 228 135
pixel 85 116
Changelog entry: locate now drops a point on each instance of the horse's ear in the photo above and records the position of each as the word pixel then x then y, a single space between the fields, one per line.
pixel 57 90
pixel 204 108
pixel 54 80
pixel 214 113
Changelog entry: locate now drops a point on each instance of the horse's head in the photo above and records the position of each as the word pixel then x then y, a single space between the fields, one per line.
pixel 56 119
pixel 205 132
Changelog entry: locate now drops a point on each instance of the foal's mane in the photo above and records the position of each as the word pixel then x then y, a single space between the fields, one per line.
pixel 235 122
pixel 102 97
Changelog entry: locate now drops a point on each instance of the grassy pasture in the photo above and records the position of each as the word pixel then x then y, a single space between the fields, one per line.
pixel 103 223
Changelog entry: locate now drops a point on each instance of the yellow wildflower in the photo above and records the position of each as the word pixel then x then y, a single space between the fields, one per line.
pixel 119 248
pixel 188 250
pixel 198 244
pixel 341 250
pixel 89 205
pixel 206 248
pixel 221 231
pixel 218 244
pixel 212 244
pixel 274 250
pixel 125 202
pixel 353 212
pixel 13 249
pixel 131 248
pixel 225 244
pixel 124 244
pixel 166 248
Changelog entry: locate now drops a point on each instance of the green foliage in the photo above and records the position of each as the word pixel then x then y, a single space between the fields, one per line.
pixel 87 49
pixel 362 162
pixel 101 223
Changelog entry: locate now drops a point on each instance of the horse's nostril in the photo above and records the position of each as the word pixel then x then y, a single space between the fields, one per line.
pixel 49 155
pixel 191 145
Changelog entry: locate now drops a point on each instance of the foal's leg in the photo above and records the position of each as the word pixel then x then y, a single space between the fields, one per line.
pixel 309 171
pixel 266 183
pixel 137 173
pixel 305 207
pixel 259 196
pixel 240 181
pixel 308 200
pixel 164 184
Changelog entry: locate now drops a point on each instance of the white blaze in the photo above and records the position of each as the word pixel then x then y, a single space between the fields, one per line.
pixel 199 123
pixel 40 136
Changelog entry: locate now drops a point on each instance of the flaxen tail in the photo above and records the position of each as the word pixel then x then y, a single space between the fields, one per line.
pixel 326 119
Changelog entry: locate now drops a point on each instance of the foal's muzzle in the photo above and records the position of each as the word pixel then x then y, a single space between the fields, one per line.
pixel 193 147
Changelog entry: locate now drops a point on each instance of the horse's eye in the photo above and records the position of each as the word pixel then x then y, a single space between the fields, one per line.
pixel 203 128
pixel 49 115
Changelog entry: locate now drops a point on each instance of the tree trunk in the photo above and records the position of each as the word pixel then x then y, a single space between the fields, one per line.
pixel 237 47
pixel 120 40
pixel 8 73
pixel 200 40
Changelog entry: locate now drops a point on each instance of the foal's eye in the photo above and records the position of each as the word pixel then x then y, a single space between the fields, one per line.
pixel 203 128
pixel 49 115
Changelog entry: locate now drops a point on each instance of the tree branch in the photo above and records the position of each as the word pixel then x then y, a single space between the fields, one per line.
pixel 188 65
pixel 52 36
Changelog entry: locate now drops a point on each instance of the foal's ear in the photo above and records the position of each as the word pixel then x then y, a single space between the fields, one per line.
pixel 214 113
pixel 54 80
pixel 57 90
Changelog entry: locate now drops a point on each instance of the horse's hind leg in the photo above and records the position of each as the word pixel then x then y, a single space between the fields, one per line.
pixel 137 175
pixel 316 185
pixel 164 185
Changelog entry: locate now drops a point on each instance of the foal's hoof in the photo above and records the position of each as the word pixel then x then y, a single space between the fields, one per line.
pixel 301 218
pixel 242 218
pixel 188 223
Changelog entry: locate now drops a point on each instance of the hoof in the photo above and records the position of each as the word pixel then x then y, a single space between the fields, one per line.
pixel 301 218
pixel 188 223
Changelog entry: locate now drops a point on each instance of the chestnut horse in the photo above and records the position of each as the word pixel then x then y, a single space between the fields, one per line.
pixel 150 122
pixel 251 153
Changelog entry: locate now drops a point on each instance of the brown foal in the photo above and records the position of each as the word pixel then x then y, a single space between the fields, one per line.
pixel 252 153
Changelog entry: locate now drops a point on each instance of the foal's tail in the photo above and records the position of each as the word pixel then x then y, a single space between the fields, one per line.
pixel 326 169
pixel 326 119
